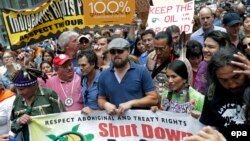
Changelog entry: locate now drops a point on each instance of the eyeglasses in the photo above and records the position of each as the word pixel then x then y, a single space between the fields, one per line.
pixel 7 57
pixel 244 46
pixel 114 51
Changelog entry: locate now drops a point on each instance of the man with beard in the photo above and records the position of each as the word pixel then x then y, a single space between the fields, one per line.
pixel 125 85
pixel 224 106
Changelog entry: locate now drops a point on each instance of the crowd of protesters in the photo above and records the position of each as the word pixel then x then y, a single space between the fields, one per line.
pixel 135 68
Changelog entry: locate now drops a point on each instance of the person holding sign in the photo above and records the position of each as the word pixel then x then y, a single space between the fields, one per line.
pixel 179 96
pixel 31 100
pixel 125 85
pixel 87 60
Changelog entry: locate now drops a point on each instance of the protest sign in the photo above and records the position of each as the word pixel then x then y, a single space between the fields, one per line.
pixel 165 13
pixel 134 125
pixel 100 12
pixel 28 26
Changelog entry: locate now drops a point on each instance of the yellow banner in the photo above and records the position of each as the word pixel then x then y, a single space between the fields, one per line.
pixel 26 27
pixel 109 11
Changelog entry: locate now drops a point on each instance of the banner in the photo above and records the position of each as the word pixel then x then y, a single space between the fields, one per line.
pixel 165 13
pixel 26 27
pixel 134 125
pixel 109 11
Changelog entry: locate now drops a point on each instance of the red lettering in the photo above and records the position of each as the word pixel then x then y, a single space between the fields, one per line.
pixel 113 130
pixel 185 28
pixel 160 133
pixel 102 127
pixel 125 131
pixel 184 7
pixel 185 134
pixel 157 29
pixel 134 130
pixel 110 130
pixel 147 131
pixel 173 134
pixel 160 10
pixel 151 9
pixel 170 18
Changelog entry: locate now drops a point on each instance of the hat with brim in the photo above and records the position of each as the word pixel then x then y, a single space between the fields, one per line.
pixel 60 59
pixel 83 37
pixel 231 19
pixel 118 43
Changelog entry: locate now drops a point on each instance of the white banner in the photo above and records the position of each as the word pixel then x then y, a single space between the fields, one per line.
pixel 135 125
pixel 165 13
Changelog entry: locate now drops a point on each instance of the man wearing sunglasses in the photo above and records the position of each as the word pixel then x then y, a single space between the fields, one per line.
pixel 125 85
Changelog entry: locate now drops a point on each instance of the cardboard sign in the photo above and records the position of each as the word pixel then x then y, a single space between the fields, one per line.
pixel 101 12
pixel 170 12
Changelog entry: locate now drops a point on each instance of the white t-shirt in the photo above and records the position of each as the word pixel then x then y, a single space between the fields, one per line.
pixel 5 111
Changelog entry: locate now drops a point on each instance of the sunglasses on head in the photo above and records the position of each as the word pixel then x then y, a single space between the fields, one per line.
pixel 114 51
pixel 244 46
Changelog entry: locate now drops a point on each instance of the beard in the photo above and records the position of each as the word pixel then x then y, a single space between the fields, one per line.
pixel 119 63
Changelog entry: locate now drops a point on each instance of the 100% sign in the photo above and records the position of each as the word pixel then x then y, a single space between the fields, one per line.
pixel 109 7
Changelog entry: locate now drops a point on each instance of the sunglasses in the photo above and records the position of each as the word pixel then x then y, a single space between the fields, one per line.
pixel 114 51
pixel 244 46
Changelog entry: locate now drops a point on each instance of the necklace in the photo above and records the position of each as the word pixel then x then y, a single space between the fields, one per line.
pixel 68 99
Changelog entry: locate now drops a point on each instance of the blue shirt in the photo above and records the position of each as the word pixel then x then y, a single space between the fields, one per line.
pixel 199 35
pixel 143 58
pixel 5 79
pixel 135 83
pixel 90 94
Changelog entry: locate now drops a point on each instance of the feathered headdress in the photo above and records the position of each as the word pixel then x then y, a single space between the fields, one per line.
pixel 27 76
pixel 183 49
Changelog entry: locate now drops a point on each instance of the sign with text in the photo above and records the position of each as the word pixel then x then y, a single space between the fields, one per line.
pixel 134 125
pixel 100 12
pixel 26 27
pixel 171 12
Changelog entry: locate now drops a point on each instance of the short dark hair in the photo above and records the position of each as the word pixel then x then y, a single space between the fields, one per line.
pixel 90 55
pixel 146 32
pixel 173 29
pixel 194 49
pixel 46 62
pixel 220 37
pixel 164 35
